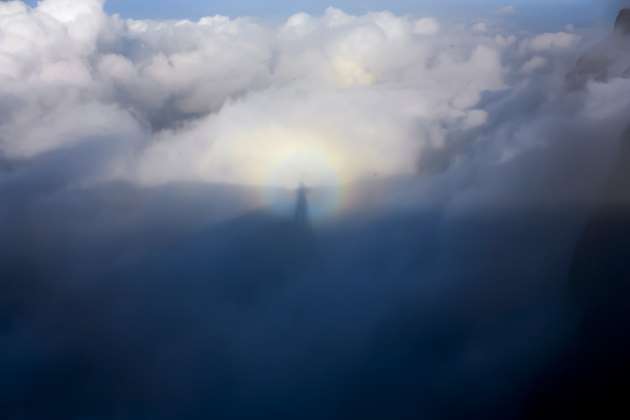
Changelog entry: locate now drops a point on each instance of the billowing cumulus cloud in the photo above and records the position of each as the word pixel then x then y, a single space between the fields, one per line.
pixel 239 101
pixel 171 89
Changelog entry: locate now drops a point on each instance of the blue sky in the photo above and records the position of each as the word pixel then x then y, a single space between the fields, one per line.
pixel 193 8
pixel 545 13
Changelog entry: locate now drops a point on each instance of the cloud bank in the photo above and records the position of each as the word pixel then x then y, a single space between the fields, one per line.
pixel 239 101
pixel 137 282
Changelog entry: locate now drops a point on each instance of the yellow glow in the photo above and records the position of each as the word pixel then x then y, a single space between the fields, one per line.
pixel 285 158
pixel 351 73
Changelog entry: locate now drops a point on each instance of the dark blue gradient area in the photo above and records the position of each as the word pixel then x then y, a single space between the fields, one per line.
pixel 398 315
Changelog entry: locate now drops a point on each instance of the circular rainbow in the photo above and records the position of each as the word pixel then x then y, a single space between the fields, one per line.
pixel 315 165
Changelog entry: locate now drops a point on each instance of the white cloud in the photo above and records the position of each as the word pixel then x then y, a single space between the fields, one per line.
pixel 336 96
pixel 480 27
pixel 552 41
pixel 507 10
pixel 221 96
pixel 426 26
pixel 534 64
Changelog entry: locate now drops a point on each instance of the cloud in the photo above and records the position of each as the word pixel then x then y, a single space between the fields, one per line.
pixel 426 26
pixel 550 41
pixel 335 98
pixel 173 86
pixel 148 276
pixel 534 64
pixel 507 10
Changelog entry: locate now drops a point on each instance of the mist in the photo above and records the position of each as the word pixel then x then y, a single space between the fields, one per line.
pixel 336 216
